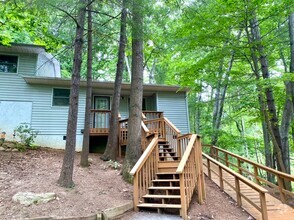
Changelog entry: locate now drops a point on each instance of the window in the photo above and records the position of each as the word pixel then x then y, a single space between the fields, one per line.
pixel 8 64
pixel 60 97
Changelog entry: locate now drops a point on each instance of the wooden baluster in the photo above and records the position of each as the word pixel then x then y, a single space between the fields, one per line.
pixel 227 159
pixel 208 168
pixel 238 193
pixel 221 182
pixel 256 175
pixel 263 206
pixel 179 150
pixel 281 187
pixel 239 166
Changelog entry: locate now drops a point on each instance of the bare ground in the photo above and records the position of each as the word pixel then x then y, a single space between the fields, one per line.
pixel 96 188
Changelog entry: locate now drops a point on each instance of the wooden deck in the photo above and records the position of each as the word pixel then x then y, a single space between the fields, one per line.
pixel 275 208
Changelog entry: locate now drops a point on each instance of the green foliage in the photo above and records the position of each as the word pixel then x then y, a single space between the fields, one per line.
pixel 26 134
pixel 113 165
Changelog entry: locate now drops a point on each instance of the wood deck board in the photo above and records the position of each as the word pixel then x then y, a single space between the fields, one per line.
pixel 153 205
pixel 275 208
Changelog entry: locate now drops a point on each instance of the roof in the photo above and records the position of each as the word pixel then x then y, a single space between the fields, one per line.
pixel 99 85
pixel 23 48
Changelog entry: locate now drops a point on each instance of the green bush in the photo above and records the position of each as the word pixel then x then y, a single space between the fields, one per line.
pixel 26 134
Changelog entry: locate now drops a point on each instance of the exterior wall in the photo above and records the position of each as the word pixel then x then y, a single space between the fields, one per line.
pixel 50 121
pixel 124 108
pixel 175 107
pixel 27 63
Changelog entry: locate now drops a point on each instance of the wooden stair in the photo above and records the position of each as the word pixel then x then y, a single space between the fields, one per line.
pixel 166 153
pixel 164 194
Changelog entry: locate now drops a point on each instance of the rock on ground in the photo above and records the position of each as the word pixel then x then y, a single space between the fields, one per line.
pixel 29 198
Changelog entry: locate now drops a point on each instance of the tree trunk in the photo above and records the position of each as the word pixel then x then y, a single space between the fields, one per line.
pixel 220 100
pixel 65 178
pixel 291 32
pixel 86 137
pixel 110 152
pixel 133 150
pixel 262 107
pixel 221 94
pixel 289 103
pixel 273 119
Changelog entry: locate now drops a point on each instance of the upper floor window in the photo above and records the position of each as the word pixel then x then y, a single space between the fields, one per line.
pixel 8 64
pixel 60 97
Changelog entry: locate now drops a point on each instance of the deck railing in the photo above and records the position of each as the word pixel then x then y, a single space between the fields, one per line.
pixel 146 136
pixel 100 120
pixel 152 115
pixel 183 141
pixel 241 165
pixel 145 171
pixel 123 135
pixel 191 173
pixel 165 130
pixel 238 178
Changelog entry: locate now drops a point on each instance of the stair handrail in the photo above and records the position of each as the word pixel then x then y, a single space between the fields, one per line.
pixel 166 130
pixel 258 179
pixel 187 153
pixel 238 177
pixel 190 170
pixel 145 136
pixel 152 114
pixel 144 171
pixel 172 126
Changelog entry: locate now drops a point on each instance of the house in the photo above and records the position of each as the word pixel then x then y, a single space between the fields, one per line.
pixel 32 91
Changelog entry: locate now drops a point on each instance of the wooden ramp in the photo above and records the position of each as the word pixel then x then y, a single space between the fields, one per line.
pixel 275 208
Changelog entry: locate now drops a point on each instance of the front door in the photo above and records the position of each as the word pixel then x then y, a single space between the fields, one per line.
pixel 101 118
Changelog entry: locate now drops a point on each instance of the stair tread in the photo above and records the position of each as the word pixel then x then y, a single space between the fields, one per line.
pixel 166 173
pixel 164 187
pixel 162 196
pixel 166 180
pixel 154 205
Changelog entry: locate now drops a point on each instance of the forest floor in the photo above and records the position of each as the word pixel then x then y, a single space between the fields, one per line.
pixel 97 188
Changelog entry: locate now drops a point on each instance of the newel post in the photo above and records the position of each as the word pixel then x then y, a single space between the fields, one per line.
pixel 136 192
pixel 184 213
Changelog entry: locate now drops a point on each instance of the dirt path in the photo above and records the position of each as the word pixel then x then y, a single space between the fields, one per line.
pixel 97 187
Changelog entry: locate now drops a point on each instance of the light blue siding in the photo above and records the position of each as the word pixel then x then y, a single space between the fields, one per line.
pixel 124 108
pixel 27 64
pixel 174 106
pixel 47 119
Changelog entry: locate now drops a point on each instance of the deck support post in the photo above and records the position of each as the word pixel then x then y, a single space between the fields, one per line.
pixel 238 193
pixel 281 187
pixel 221 182
pixel 136 192
pixel 263 206
pixel 183 197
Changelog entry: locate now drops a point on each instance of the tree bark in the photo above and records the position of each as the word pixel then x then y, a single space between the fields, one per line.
pixel 262 108
pixel 65 178
pixel 110 152
pixel 220 99
pixel 86 137
pixel 133 150
pixel 289 103
pixel 291 33
pixel 272 113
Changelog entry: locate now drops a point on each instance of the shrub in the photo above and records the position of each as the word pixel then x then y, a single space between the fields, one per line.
pixel 26 134
pixel 113 164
